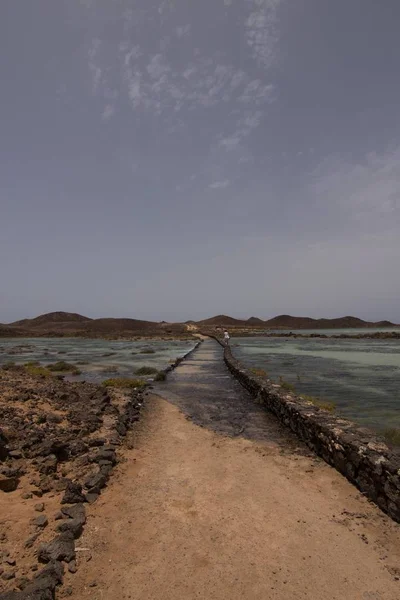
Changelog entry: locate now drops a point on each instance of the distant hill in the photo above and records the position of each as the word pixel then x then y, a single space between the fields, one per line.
pixel 289 322
pixel 51 318
pixel 222 321
pixel 67 324
pixel 255 322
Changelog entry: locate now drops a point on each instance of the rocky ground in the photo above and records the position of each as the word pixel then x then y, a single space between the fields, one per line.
pixel 59 442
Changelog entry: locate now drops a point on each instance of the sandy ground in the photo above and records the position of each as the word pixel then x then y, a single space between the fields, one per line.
pixel 191 514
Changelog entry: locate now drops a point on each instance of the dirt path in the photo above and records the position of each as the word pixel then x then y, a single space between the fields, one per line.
pixel 192 514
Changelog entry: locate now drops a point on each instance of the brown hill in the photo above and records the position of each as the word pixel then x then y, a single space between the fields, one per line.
pixel 53 318
pixel 255 322
pixel 222 321
pixel 289 322
pixel 120 325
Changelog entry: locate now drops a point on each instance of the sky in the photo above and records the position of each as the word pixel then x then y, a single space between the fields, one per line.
pixel 177 159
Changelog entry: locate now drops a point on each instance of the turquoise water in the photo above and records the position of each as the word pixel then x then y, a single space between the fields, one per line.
pixel 102 358
pixel 362 377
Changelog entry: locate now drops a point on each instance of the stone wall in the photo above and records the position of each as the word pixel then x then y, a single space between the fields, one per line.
pixel 356 452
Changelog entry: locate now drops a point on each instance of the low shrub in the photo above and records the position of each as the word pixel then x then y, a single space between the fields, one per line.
pixel 37 371
pixel 146 371
pixel 63 367
pixel 320 403
pixel 289 387
pixel 392 436
pixel 161 376
pixel 259 372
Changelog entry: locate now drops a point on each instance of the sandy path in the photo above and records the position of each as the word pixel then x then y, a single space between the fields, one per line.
pixel 192 514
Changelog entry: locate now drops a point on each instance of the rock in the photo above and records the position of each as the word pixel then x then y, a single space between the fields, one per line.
pixel 91 498
pixel 72 568
pixel 71 525
pixel 105 454
pixel 8 575
pixel 21 583
pixel 95 482
pixel 93 584
pixel 62 548
pixel 26 496
pixel 49 465
pixel 31 540
pixel 39 507
pixel 58 516
pixel 41 521
pixel 76 511
pixel 8 484
pixel 37 493
pixel 3 446
pixel 16 454
pixel 73 493
pixel 10 560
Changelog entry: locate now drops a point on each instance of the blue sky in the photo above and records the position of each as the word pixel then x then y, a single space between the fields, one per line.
pixel 175 159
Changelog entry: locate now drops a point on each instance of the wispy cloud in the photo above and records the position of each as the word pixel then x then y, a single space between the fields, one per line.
pixel 217 185
pixel 108 112
pixel 361 195
pixel 261 29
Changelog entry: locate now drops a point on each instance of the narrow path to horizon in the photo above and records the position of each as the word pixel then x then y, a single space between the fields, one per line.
pixel 216 500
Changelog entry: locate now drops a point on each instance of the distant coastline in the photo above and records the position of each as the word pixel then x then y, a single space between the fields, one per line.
pixel 63 324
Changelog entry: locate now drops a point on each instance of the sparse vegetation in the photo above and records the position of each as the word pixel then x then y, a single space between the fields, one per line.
pixel 161 376
pixel 63 367
pixel 32 363
pixel 288 387
pixel 146 370
pixel 320 403
pixel 9 365
pixel 259 372
pixel 37 370
pixel 124 382
pixel 392 436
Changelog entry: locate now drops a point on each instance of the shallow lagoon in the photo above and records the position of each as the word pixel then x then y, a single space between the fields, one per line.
pixel 362 377
pixel 96 359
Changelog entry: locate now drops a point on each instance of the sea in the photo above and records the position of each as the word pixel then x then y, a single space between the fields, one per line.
pixel 360 376
pixel 96 359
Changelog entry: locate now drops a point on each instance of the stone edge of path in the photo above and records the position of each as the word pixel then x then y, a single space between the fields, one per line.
pixel 356 452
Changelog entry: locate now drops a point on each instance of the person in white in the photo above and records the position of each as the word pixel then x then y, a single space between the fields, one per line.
pixel 226 337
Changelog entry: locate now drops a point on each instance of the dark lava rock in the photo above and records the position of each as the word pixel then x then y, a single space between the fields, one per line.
pixel 91 497
pixel 8 484
pixel 31 540
pixel 3 446
pixel 48 465
pixel 105 454
pixel 73 493
pixel 26 496
pixel 39 507
pixel 71 525
pixel 77 512
pixel 96 442
pixel 62 548
pixel 72 568
pixel 42 587
pixel 95 482
pixel 16 454
pixel 59 516
pixel 41 521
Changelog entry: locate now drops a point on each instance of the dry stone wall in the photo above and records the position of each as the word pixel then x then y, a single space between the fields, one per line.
pixel 356 452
